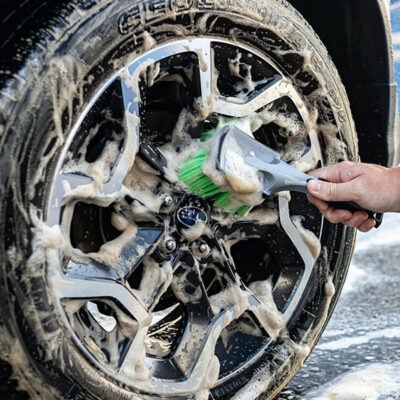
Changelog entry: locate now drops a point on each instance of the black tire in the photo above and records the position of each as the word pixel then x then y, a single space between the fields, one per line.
pixel 51 66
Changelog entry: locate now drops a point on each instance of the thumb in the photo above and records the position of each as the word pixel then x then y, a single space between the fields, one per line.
pixel 329 191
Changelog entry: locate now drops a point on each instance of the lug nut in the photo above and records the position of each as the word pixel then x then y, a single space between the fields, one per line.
pixel 166 200
pixel 203 248
pixel 169 245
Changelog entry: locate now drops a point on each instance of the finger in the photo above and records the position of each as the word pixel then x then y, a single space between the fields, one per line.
pixel 342 172
pixel 322 205
pixel 328 191
pixel 332 214
pixel 357 219
pixel 367 225
pixel 337 216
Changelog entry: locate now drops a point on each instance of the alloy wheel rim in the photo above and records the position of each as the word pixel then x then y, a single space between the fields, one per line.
pixel 95 283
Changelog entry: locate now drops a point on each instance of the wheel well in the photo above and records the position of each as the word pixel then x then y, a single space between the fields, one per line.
pixel 357 36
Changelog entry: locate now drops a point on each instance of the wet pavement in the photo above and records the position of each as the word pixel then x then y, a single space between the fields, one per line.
pixel 358 356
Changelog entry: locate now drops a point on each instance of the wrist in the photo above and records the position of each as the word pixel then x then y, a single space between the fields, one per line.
pixel 395 179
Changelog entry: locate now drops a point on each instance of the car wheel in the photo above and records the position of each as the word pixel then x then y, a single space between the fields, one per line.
pixel 117 283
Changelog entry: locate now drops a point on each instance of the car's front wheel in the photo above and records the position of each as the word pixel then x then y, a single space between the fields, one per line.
pixel 117 282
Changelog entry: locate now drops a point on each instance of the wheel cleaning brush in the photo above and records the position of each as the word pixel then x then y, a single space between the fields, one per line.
pixel 234 150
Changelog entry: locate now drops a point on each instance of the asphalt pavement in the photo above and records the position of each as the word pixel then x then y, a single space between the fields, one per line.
pixel 358 356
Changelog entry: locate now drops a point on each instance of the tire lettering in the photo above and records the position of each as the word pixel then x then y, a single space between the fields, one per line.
pixel 205 4
pixel 130 20
pixel 149 10
pixel 297 40
pixel 87 4
pixel 180 5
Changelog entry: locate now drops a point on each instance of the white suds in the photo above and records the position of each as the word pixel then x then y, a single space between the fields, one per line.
pixel 194 232
pixel 267 312
pixel 309 237
pixel 148 41
pixel 132 80
pixel 232 295
pixel 373 382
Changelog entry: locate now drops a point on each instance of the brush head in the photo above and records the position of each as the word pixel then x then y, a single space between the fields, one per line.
pixel 192 175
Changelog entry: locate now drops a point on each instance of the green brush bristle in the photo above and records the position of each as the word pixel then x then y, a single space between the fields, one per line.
pixel 204 187
pixel 223 201
pixel 207 135
pixel 192 169
pixel 191 173
pixel 243 210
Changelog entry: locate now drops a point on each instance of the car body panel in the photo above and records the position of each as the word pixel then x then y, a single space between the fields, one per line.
pixel 358 37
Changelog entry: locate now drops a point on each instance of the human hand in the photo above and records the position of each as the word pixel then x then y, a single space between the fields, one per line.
pixel 371 186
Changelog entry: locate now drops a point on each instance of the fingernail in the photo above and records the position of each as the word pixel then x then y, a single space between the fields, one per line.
pixel 315 186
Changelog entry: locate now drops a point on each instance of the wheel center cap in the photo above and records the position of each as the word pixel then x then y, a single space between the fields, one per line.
pixel 191 215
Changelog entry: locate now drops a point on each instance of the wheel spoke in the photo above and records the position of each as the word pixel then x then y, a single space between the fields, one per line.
pixel 189 289
pixel 221 243
pixel 138 247
pixel 77 187
pixel 203 364
pixel 155 281
pixel 149 153
pixel 303 249
pixel 70 287
pixel 125 253
pixel 278 88
pixel 74 180
pixel 134 248
pixel 102 185
pixel 207 72
pixel 255 224
pixel 65 183
pixel 130 80
pixel 105 176
pixel 133 363
pixel 309 161
pixel 124 163
pixel 207 317
pixel 265 310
